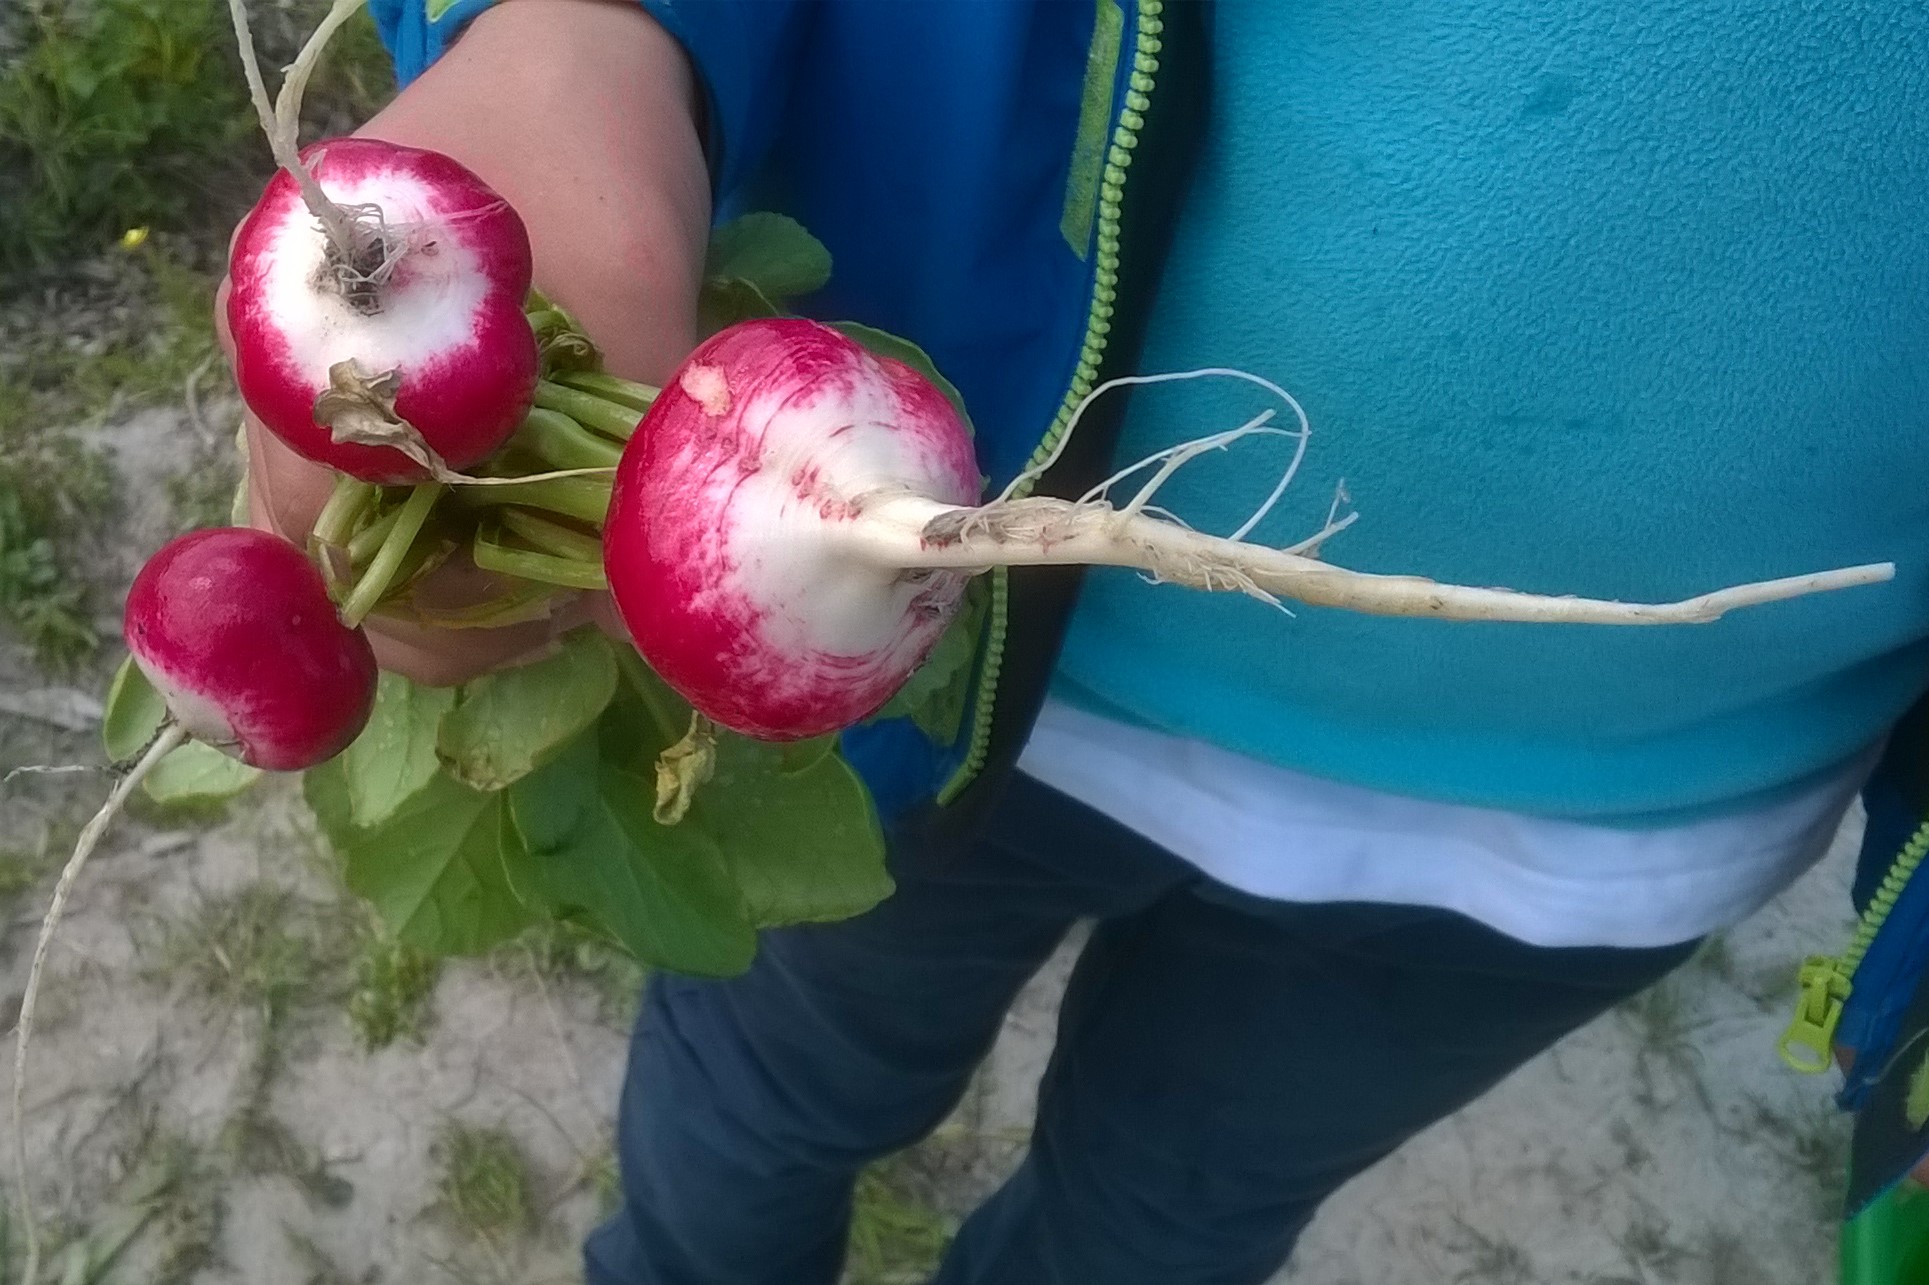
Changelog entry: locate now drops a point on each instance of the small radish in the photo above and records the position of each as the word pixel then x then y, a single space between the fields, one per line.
pixel 235 629
pixel 791 529
pixel 376 297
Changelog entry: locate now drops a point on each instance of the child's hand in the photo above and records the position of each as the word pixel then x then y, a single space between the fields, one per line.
pixel 581 113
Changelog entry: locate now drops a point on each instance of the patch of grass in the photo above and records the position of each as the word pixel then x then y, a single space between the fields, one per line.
pixel 485 1186
pixel 262 949
pixel 40 602
pixel 262 1144
pixel 247 949
pixel 20 870
pixel 130 113
pixel 606 1180
pixel 895 1239
pixel 51 488
pixel 116 114
pixel 171 304
pixel 393 983
pixel 147 326
pixel 561 950
pixel 170 1200
pixel 189 1218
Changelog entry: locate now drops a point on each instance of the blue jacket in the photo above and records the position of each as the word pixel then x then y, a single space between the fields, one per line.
pixel 1042 147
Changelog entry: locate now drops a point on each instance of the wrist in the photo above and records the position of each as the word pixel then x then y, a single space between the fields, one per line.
pixel 582 114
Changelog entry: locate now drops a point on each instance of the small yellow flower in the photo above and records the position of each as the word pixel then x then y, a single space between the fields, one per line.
pixel 133 238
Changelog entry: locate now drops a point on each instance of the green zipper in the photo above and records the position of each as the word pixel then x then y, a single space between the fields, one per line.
pixel 1098 326
pixel 1808 1045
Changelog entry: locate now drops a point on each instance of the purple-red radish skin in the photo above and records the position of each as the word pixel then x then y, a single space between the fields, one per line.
pixel 235 629
pixel 451 320
pixel 781 426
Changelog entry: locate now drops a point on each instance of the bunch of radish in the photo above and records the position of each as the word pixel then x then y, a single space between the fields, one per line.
pixel 787 528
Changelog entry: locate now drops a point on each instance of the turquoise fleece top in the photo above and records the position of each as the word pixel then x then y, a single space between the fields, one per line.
pixel 1624 300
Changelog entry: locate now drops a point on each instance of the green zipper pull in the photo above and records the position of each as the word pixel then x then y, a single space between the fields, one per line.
pixel 1808 1045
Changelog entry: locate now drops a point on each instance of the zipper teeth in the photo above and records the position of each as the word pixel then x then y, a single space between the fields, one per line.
pixel 1884 901
pixel 1098 328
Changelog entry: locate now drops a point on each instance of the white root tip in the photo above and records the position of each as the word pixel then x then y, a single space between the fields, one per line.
pixel 163 744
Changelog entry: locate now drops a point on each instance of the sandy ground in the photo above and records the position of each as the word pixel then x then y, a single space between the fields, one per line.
pixel 1664 1143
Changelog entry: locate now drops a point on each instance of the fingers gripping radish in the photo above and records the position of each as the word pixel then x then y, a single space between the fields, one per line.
pixel 376 297
pixel 791 529
pixel 235 629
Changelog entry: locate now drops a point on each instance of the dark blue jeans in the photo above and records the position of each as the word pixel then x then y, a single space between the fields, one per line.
pixel 1223 1063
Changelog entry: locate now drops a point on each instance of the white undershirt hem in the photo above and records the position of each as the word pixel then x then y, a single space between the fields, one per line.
pixel 1286 836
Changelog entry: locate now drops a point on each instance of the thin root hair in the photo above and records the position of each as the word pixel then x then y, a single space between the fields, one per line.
pixel 1023 482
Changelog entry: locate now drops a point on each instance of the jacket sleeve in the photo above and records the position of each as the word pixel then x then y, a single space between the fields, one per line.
pixel 744 53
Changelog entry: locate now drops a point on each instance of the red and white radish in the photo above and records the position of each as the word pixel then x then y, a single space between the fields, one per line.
pixel 415 324
pixel 375 297
pixel 236 631
pixel 724 542
pixel 792 525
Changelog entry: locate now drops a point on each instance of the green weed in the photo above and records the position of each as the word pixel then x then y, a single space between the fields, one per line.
pixel 20 870
pixel 565 951
pixel 133 113
pixel 485 1184
pixel 51 489
pixel 393 984
pixel 119 114
pixel 895 1239
pixel 247 950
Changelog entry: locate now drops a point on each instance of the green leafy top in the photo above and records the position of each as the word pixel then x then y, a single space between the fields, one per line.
pixel 466 816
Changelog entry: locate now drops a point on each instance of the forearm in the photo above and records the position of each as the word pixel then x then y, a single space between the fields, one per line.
pixel 581 114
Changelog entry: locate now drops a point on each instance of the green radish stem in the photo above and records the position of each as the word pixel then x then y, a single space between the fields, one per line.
pixel 612 419
pixel 561 443
pixel 624 392
pixel 517 605
pixel 170 737
pixel 388 559
pixel 364 543
pixel 552 537
pixel 546 568
pixel 584 498
pixel 432 547
pixel 346 504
